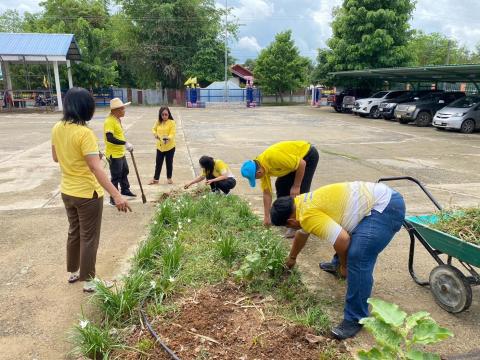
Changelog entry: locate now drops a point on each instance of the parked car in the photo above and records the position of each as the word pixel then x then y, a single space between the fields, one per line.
pixel 422 111
pixel 387 108
pixel 462 114
pixel 370 105
pixel 337 102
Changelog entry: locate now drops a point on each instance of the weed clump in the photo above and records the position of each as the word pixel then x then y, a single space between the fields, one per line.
pixel 462 223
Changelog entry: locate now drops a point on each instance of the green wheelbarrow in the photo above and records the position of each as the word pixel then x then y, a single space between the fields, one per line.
pixel 451 288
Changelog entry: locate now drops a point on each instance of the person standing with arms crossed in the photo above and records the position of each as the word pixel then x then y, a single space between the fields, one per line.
pixel 115 145
pixel 292 162
pixel 75 148
pixel 164 131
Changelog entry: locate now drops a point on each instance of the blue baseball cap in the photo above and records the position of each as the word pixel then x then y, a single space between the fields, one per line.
pixel 248 170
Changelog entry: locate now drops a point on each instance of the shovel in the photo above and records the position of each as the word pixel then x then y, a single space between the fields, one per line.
pixel 144 199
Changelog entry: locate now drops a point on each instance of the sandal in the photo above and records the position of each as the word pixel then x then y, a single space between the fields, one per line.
pixel 74 276
pixel 153 182
pixel 91 286
pixel 170 181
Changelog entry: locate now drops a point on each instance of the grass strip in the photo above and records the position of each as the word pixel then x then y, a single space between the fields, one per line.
pixel 196 240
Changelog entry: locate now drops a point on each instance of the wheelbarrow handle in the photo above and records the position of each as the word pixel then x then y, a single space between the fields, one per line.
pixel 430 196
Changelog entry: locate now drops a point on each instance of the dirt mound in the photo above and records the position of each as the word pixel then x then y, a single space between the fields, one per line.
pixel 221 322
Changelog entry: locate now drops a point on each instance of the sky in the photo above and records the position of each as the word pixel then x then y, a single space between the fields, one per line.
pixel 310 21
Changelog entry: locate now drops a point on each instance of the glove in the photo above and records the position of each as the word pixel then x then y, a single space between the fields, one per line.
pixel 129 147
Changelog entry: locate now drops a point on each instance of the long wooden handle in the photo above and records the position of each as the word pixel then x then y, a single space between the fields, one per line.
pixel 144 199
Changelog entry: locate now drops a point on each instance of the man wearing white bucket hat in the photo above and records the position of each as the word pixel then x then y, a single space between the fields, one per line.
pixel 115 145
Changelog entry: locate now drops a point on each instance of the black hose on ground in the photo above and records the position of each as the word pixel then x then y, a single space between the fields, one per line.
pixel 155 335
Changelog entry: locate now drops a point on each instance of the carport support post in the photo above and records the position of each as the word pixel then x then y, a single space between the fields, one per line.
pixel 57 86
pixel 69 73
pixel 6 73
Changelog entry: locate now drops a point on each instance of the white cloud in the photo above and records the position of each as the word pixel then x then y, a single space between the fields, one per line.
pixel 322 17
pixel 253 9
pixel 22 6
pixel 249 43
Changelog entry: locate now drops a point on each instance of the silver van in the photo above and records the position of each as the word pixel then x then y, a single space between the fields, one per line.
pixel 462 114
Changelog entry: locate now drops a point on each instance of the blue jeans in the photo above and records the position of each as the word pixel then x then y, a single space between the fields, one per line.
pixel 367 240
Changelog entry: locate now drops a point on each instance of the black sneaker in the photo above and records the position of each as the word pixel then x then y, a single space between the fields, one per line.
pixel 329 267
pixel 128 193
pixel 346 329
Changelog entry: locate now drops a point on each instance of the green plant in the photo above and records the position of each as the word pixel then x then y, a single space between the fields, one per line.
pixel 398 336
pixel 227 247
pixel 118 303
pixel 145 344
pixel 92 341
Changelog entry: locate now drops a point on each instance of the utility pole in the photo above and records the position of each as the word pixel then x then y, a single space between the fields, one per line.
pixel 226 55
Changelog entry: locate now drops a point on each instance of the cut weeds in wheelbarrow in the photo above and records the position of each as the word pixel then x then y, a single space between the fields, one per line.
pixel 451 288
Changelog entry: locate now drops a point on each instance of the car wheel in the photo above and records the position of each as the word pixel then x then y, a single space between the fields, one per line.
pixel 362 115
pixel 468 126
pixel 374 112
pixel 403 121
pixel 337 109
pixel 424 119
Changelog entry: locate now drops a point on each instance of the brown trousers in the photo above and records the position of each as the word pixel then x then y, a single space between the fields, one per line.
pixel 85 219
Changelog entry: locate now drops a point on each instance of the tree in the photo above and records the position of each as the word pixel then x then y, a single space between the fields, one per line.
pixel 89 21
pixel 370 34
pixel 319 74
pixel 11 21
pixel 208 63
pixel 437 49
pixel 170 33
pixel 250 64
pixel 279 67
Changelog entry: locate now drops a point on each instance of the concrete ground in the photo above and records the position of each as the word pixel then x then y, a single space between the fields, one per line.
pixel 38 305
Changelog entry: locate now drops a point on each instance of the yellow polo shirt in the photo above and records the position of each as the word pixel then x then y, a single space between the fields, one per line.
pixel 165 129
pixel 72 143
pixel 325 211
pixel 114 126
pixel 281 159
pixel 219 169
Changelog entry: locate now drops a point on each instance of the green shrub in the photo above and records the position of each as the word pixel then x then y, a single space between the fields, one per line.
pixel 398 336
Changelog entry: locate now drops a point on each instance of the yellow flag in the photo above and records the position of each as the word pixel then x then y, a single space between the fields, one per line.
pixel 188 82
pixel 194 80
pixel 45 82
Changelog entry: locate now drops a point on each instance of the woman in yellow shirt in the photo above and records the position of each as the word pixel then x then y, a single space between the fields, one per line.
pixel 217 173
pixel 164 131
pixel 75 148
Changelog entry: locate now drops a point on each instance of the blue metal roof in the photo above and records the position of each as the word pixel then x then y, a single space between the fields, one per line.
pixel 37 44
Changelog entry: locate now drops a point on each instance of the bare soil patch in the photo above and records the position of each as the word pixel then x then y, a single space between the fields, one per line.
pixel 223 322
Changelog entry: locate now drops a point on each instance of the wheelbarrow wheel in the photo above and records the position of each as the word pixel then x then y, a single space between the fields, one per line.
pixel 450 288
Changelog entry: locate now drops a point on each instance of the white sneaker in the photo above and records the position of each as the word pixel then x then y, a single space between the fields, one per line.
pixel 91 286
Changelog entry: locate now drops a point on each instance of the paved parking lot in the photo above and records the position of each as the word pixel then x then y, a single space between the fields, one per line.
pixel 38 306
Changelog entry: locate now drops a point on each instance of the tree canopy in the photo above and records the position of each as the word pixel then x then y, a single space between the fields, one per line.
pixel 279 67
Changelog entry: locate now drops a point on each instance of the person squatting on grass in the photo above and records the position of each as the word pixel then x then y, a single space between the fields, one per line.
pixel 292 162
pixel 75 148
pixel 115 145
pixel 217 173
pixel 164 131
pixel 359 219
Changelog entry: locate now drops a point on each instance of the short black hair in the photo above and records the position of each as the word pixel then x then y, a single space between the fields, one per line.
pixel 78 106
pixel 281 210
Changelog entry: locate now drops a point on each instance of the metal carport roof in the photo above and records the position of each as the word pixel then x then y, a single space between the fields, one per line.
pixel 20 47
pixel 441 73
